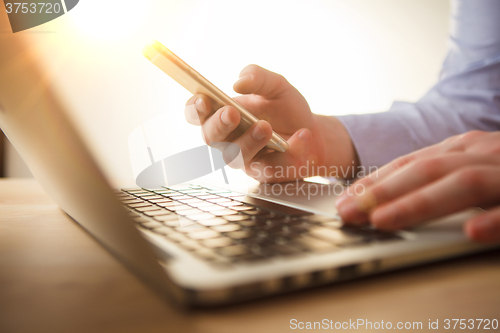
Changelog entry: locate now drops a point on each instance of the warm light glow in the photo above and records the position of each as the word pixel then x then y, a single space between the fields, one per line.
pixel 344 56
pixel 110 19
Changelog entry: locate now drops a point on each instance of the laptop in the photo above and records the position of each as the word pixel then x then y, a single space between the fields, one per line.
pixel 197 244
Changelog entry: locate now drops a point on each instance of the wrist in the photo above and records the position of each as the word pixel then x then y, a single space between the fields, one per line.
pixel 336 152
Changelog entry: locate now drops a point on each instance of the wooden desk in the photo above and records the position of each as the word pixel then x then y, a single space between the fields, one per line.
pixel 55 278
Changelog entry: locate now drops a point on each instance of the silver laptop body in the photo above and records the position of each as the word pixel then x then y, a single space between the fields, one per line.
pixel 34 119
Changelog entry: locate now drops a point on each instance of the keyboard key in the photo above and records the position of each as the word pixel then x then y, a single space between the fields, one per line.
pixel 166 218
pixel 217 242
pixel 207 196
pixel 168 204
pixel 190 201
pixel 153 197
pixel 201 216
pixel 163 191
pixel 233 218
pixel 140 204
pixel 206 234
pixel 162 200
pixel 187 212
pixel 219 200
pixel 224 212
pixel 202 204
pixel 212 208
pixel 174 195
pixel 179 207
pixel 147 209
pixel 233 251
pixel 226 227
pixel 158 213
pixel 191 245
pixel 137 190
pixel 191 228
pixel 240 234
pixel 163 230
pixel 131 201
pixel 152 225
pixel 214 221
pixel 247 223
pixel 181 197
pixel 230 204
pixel 146 195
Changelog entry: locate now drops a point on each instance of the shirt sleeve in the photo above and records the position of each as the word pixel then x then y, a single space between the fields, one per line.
pixel 467 96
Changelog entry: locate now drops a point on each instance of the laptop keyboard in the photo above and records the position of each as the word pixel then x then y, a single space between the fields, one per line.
pixel 225 227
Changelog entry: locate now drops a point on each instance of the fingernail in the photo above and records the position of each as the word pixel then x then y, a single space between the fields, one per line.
pixel 484 225
pixel 243 78
pixel 258 133
pixel 225 118
pixel 200 106
pixel 350 207
pixel 305 136
pixel 366 201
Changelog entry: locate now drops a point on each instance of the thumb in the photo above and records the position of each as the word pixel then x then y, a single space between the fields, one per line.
pixel 259 81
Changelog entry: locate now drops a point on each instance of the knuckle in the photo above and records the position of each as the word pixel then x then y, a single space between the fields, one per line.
pixel 245 146
pixel 250 69
pixel 471 135
pixel 429 169
pixel 402 161
pixel 191 115
pixel 472 180
pixel 218 129
pixel 421 205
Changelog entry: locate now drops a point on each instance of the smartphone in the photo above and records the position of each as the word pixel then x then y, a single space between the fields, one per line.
pixel 195 83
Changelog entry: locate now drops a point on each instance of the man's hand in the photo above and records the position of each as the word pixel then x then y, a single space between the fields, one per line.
pixel 281 108
pixel 461 172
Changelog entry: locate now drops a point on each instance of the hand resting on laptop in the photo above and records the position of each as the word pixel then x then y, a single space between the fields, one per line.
pixel 460 172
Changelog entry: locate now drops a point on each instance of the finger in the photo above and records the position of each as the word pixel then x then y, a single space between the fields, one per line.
pixel 269 167
pixel 405 180
pixel 220 125
pixel 253 140
pixel 259 81
pixel 198 109
pixel 464 188
pixel 398 164
pixel 485 227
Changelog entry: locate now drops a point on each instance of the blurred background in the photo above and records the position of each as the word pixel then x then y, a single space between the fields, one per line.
pixel 344 56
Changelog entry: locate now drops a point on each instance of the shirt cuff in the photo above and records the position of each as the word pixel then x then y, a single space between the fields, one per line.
pixel 380 137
